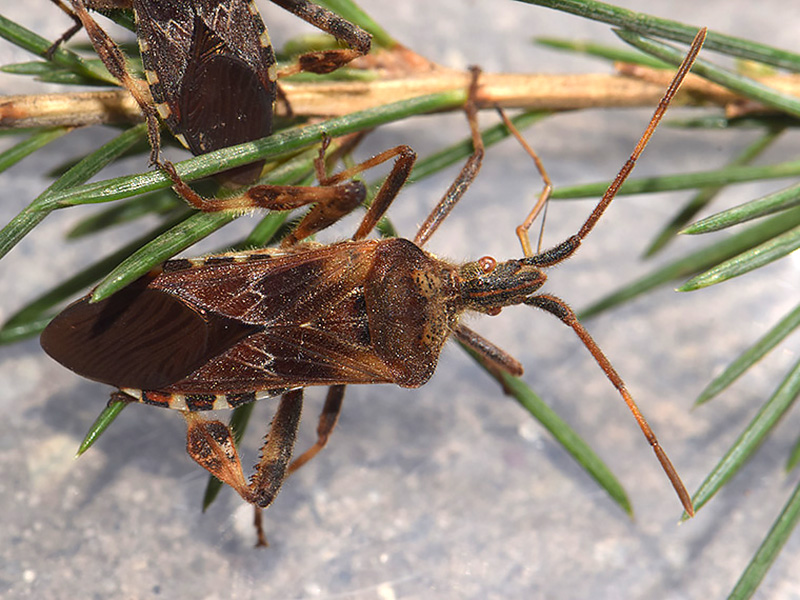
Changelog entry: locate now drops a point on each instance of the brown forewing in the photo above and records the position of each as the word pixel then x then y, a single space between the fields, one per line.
pixel 309 304
pixel 293 285
pixel 139 338
pixel 230 324
pixel 334 349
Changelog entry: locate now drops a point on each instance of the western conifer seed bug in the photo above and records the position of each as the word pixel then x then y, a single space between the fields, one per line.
pixel 212 77
pixel 229 329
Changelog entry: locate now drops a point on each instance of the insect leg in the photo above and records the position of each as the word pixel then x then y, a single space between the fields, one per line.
pixel 468 172
pixel 211 445
pixel 76 27
pixel 115 62
pixel 324 214
pixel 327 422
pixel 391 186
pixel 544 195
pixel 326 61
pixel 402 169
pixel 67 35
pixel 560 309
pixel 336 197
pixel 333 199
pixel 492 356
pixel 277 450
pixel 339 199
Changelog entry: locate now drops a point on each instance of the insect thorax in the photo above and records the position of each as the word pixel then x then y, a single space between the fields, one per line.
pixel 411 303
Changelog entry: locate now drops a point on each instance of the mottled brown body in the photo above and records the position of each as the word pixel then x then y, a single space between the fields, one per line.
pixel 232 327
pixel 348 313
pixel 211 69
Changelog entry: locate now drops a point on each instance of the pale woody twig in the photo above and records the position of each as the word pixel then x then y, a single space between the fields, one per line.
pixel 330 99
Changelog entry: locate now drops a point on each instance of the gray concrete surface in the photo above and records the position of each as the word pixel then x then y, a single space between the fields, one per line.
pixel 452 490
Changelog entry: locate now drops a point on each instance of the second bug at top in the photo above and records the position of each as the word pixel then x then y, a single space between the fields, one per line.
pixel 210 66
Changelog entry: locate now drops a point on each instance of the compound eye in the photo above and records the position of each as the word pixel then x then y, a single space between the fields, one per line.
pixel 487 264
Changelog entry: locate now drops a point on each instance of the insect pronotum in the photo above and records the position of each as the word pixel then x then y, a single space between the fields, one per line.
pixel 229 329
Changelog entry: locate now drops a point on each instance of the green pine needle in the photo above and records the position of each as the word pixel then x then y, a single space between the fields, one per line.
pixel 561 431
pixel 650 25
pixel 769 550
pixel 707 194
pixel 100 424
pixel 751 356
pixel 750 88
pixel 754 258
pixel 770 204
pixel 698 261
pixel 751 438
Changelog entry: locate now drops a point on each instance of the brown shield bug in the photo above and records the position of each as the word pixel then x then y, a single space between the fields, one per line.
pixel 229 329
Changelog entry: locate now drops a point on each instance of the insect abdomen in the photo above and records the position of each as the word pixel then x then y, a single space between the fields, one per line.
pixel 196 402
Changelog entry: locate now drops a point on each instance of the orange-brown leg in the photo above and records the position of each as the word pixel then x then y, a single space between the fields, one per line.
pixel 327 422
pixel 211 445
pixel 561 309
pixel 468 172
pixel 115 62
pixel 492 356
pixel 334 199
pixel 328 60
pixel 544 195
